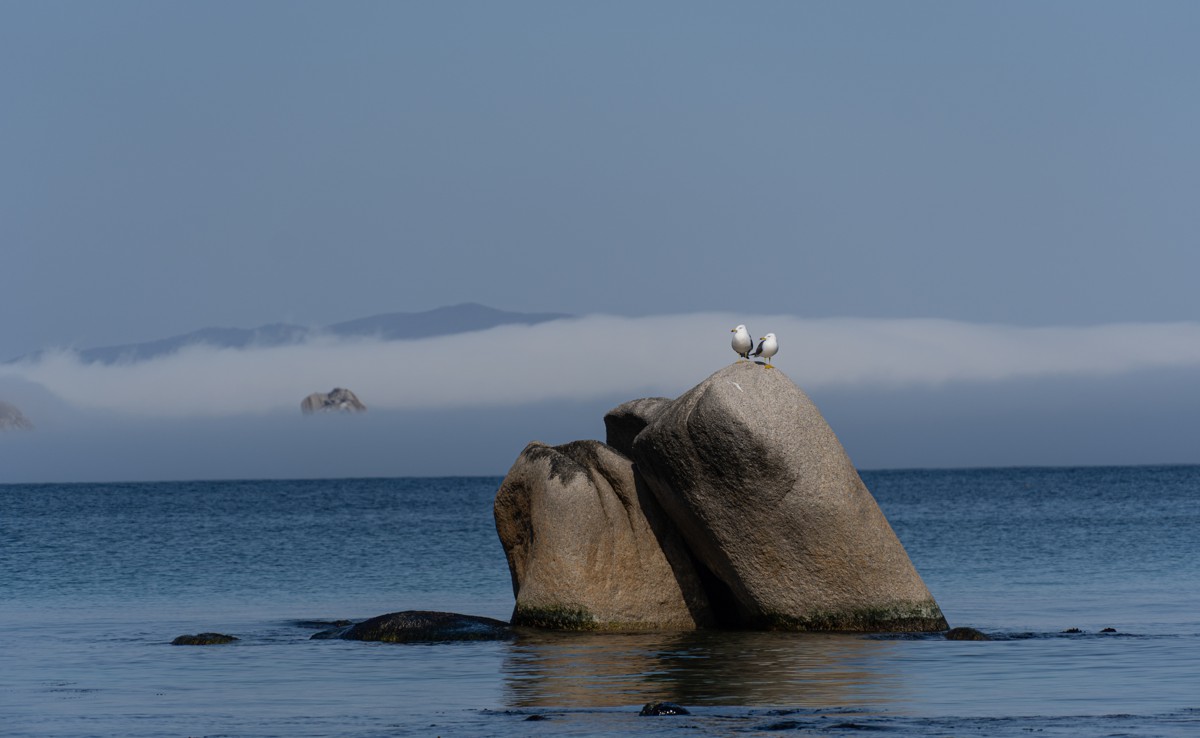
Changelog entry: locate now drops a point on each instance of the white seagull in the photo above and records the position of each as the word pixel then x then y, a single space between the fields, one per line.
pixel 767 347
pixel 742 342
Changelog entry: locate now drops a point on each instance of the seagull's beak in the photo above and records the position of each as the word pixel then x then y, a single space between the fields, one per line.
pixel 733 330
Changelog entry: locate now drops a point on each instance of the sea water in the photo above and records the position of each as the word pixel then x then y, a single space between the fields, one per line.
pixel 97 579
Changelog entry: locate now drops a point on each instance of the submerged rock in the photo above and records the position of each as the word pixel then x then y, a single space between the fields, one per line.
pixel 769 502
pixel 203 639
pixel 322 624
pixel 966 634
pixel 663 708
pixel 338 400
pixel 588 546
pixel 416 626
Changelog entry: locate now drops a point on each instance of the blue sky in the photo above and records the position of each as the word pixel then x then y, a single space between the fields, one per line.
pixel 170 166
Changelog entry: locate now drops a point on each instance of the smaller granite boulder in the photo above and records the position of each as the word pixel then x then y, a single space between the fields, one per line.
pixel 203 639
pixel 340 400
pixel 422 626
pixel 11 418
pixel 624 422
pixel 589 548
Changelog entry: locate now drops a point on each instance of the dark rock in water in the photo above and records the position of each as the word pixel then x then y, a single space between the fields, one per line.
pixel 322 624
pixel 663 708
pixel 625 421
pixel 339 400
pixel 966 634
pixel 535 718
pixel 768 501
pixel 784 725
pixel 422 626
pixel 11 418
pixel 589 547
pixel 1072 630
pixel 1109 630
pixel 203 639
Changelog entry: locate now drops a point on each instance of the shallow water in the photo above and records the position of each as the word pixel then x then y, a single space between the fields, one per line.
pixel 97 580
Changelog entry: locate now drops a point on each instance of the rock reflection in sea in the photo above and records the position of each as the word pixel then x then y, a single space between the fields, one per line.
pixel 699 667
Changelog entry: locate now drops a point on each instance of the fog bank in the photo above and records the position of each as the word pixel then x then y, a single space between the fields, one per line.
pixel 599 356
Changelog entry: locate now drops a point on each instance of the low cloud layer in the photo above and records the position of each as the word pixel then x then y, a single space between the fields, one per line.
pixel 601 356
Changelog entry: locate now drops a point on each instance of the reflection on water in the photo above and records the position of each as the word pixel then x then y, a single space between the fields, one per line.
pixel 696 668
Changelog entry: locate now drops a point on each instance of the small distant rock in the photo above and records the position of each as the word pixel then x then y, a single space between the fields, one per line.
pixel 203 639
pixel 11 418
pixel 663 708
pixel 966 634
pixel 1072 630
pixel 339 400
pixel 1109 630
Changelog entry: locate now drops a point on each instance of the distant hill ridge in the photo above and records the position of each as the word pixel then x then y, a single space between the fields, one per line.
pixel 468 316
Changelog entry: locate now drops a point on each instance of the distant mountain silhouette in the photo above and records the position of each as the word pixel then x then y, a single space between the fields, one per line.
pixel 276 334
pixel 441 321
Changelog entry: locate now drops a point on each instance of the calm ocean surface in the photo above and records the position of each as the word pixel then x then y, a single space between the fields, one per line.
pixel 97 579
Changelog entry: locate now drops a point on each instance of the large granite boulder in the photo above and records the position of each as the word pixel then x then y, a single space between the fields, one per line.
pixel 11 418
pixel 768 501
pixel 588 546
pixel 625 421
pixel 340 400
